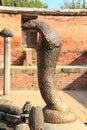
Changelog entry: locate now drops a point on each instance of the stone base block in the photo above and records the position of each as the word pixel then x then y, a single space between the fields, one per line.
pixel 77 125
pixel 13 118
pixel 2 115
pixel 25 118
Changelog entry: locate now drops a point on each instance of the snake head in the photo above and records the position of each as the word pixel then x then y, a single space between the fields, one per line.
pixel 29 25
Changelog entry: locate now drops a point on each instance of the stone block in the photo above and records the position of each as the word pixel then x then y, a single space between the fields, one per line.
pixel 25 118
pixel 10 109
pixel 13 118
pixel 2 115
pixel 22 126
pixel 77 125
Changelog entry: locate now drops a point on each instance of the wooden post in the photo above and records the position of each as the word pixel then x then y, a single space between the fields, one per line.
pixel 6 33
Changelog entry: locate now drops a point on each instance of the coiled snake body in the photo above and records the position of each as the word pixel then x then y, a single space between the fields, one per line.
pixel 56 110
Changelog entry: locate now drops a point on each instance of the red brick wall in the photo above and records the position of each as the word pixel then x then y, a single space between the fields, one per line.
pixel 12 21
pixel 73 33
pixel 25 78
pixel 71 29
pixel 71 78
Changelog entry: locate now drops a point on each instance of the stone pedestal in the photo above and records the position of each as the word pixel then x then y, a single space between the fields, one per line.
pixel 7 34
pixel 77 125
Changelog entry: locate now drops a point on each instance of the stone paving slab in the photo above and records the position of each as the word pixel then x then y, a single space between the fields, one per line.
pixel 77 125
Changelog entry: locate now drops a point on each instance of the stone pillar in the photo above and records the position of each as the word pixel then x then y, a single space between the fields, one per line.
pixel 6 33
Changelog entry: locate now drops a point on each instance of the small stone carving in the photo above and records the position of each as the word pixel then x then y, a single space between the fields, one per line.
pixel 26 108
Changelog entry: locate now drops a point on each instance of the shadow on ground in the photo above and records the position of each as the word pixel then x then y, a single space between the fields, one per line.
pixel 81 60
pixel 79 95
pixel 78 84
pixel 5 126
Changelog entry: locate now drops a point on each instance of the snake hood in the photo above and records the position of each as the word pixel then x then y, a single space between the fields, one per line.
pixel 48 32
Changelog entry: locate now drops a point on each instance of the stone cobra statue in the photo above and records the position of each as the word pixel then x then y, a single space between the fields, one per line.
pixel 56 110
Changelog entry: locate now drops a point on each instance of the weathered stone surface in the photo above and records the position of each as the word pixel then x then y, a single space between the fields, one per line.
pixel 22 126
pixel 4 126
pixel 74 70
pixel 6 32
pixel 13 118
pixel 77 125
pixel 10 109
pixel 27 107
pixel 40 11
pixel 25 118
pixel 36 118
pixel 2 115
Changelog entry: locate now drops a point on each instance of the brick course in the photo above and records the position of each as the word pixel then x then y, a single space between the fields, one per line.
pixel 25 78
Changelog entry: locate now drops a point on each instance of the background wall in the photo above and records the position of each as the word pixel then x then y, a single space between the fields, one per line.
pixel 71 29
pixel 73 33
pixel 12 21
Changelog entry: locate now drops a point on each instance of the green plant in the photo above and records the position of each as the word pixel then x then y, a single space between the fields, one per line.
pixel 24 3
pixel 23 47
pixel 74 4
